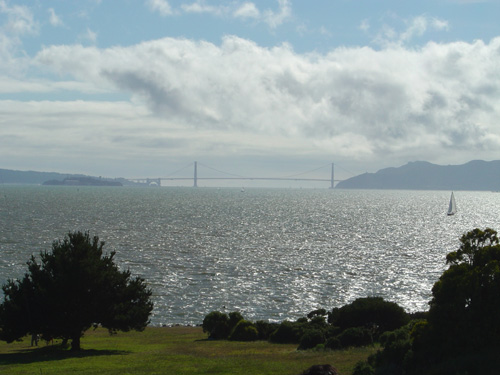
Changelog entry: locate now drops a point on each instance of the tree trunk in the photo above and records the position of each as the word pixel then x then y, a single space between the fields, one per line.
pixel 75 343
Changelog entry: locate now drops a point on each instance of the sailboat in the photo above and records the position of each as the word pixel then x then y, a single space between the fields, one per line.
pixel 452 209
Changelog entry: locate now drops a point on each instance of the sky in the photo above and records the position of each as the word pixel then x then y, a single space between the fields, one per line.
pixel 280 88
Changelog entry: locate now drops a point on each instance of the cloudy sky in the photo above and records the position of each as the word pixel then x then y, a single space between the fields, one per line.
pixel 256 88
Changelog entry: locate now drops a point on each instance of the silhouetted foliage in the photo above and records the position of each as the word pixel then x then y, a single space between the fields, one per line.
pixel 73 288
pixel 396 349
pixel 234 318
pixel 320 370
pixel 355 336
pixel 363 368
pixel 244 331
pixel 216 324
pixel 220 325
pixel 311 338
pixel 462 331
pixel 265 329
pixel 318 322
pixel 466 299
pixel 370 312
pixel 287 333
pixel 315 313
pixel 333 343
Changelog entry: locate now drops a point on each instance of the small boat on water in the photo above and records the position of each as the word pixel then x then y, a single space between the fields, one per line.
pixel 452 209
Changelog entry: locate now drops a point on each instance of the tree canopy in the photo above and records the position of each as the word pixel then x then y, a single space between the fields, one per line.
pixel 462 331
pixel 74 287
pixel 466 299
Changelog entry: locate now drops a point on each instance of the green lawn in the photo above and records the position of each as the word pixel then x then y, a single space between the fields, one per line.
pixel 176 350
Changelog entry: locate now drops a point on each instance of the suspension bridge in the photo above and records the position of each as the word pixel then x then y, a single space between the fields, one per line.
pixel 230 176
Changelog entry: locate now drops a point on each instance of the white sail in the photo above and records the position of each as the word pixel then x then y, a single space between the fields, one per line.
pixel 452 209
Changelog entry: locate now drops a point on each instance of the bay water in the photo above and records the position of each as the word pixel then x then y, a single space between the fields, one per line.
pixel 271 254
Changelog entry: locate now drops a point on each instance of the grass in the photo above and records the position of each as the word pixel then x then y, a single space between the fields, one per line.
pixel 175 350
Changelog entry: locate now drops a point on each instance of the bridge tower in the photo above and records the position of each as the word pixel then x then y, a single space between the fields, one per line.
pixel 332 181
pixel 195 184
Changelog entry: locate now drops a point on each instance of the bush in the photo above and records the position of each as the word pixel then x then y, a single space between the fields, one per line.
pixel 333 343
pixel 311 339
pixel 287 333
pixel 216 324
pixel 318 322
pixel 244 331
pixel 234 318
pixel 265 329
pixel 401 334
pixel 370 312
pixel 219 325
pixel 355 336
pixel 396 350
pixel 363 368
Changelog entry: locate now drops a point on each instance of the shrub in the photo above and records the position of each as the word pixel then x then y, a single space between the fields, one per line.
pixel 318 322
pixel 265 329
pixel 333 343
pixel 332 331
pixel 396 350
pixel 370 312
pixel 216 324
pixel 311 339
pixel 287 333
pixel 234 318
pixel 244 331
pixel 355 336
pixel 401 334
pixel 363 368
pixel 319 348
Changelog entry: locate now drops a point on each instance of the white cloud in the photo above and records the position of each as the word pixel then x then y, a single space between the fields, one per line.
pixel 20 19
pixel 247 10
pixel 404 102
pixel 88 36
pixel 200 7
pixel 364 25
pixel 275 19
pixel 54 19
pixel 440 24
pixel 408 31
pixel 161 6
pixel 17 22
pixel 417 27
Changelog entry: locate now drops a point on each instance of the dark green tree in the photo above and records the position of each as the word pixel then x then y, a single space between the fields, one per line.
pixel 73 288
pixel 466 300
pixel 373 312
pixel 462 331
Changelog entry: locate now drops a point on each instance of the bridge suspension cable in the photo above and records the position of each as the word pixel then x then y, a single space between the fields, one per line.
pixel 234 176
pixel 307 172
pixel 217 170
pixel 181 169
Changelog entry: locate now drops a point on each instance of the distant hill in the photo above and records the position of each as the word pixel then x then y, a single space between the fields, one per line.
pixel 83 181
pixel 421 175
pixel 8 176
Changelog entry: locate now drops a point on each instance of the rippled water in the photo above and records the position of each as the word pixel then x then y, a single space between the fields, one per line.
pixel 268 253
